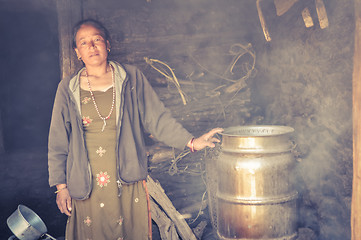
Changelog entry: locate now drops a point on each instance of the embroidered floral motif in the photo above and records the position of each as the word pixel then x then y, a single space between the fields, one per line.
pixel 87 120
pixel 120 220
pixel 86 100
pixel 103 179
pixel 101 151
pixel 88 221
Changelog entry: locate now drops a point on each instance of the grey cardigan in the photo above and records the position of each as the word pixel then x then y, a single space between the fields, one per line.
pixel 138 109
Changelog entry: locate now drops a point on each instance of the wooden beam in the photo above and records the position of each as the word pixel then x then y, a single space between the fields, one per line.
pixel 69 13
pixel 356 118
pixel 2 143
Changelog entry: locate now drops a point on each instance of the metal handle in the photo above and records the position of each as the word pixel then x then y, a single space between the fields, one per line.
pixel 48 236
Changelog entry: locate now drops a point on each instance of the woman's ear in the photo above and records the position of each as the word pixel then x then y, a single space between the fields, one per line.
pixel 108 46
pixel 77 53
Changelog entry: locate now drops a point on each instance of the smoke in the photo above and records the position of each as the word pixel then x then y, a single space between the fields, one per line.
pixel 305 81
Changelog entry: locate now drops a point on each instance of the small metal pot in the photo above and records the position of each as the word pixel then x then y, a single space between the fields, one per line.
pixel 26 224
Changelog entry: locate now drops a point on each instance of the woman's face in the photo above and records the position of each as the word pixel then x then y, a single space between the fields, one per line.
pixel 91 47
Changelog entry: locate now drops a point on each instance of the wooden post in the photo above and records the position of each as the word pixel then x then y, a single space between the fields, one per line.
pixel 2 147
pixel 69 13
pixel 356 118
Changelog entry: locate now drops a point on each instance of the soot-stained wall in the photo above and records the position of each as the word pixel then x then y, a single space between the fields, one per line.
pixel 29 71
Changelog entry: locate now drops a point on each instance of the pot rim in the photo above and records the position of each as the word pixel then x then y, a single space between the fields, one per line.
pixel 19 225
pixel 257 131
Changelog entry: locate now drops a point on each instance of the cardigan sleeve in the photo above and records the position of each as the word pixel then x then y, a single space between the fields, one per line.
pixel 157 119
pixel 58 142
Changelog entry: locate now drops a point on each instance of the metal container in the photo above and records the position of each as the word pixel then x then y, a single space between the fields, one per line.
pixel 26 224
pixel 255 196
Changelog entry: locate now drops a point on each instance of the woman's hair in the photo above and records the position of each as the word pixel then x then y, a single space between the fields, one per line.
pixel 98 25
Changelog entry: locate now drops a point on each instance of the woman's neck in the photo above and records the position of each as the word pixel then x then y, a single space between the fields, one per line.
pixel 98 71
pixel 100 78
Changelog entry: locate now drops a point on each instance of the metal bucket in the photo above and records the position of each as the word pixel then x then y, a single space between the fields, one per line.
pixel 26 224
pixel 255 196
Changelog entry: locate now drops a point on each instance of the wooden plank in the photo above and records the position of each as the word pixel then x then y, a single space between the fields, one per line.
pixel 166 227
pixel 2 143
pixel 157 193
pixel 69 13
pixel 356 111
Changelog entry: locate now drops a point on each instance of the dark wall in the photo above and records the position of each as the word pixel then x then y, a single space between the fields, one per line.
pixel 29 71
pixel 29 63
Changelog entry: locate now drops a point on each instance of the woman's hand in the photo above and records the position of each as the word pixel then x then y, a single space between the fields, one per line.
pixel 63 199
pixel 206 140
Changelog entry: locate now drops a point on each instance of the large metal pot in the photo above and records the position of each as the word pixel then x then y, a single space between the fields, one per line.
pixel 255 196
pixel 26 224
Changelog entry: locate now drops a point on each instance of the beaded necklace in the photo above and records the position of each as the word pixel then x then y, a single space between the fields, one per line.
pixel 95 104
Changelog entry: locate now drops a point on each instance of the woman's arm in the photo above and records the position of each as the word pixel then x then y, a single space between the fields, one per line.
pixel 159 122
pixel 58 147
pixel 206 140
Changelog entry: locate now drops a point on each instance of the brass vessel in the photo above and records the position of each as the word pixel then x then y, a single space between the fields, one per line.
pixel 255 195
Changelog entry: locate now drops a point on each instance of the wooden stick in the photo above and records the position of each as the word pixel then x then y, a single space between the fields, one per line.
pixel 263 22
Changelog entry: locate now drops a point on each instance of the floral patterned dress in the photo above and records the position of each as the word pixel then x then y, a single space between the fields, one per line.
pixel 105 216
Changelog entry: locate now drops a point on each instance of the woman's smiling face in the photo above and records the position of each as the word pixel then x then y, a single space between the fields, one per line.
pixel 91 46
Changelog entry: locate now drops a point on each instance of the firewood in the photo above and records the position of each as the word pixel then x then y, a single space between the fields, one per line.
pixel 193 208
pixel 162 155
pixel 263 22
pixel 321 13
pixel 166 226
pixel 198 231
pixel 307 17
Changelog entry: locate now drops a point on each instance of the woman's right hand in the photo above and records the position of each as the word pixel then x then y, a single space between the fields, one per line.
pixel 63 200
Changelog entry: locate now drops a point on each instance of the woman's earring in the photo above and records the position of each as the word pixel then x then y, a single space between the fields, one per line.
pixel 79 58
pixel 108 50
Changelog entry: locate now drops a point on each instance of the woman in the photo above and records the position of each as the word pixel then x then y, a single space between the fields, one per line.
pixel 97 155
